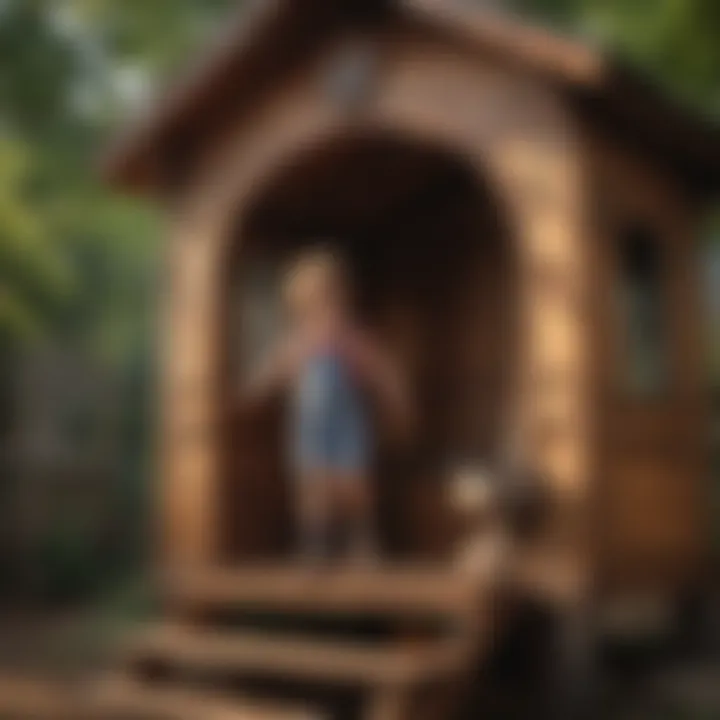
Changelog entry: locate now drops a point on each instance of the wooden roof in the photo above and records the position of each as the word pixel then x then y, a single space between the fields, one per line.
pixel 266 35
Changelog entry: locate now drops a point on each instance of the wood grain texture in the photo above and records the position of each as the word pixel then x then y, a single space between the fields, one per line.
pixel 652 524
pixel 354 662
pixel 524 151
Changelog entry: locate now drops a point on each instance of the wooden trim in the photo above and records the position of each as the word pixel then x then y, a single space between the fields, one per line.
pixel 267 29
pixel 140 137
pixel 421 591
pixel 355 662
pixel 534 46
pixel 128 697
pixel 257 32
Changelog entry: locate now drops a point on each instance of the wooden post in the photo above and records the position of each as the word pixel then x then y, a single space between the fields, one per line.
pixel 189 409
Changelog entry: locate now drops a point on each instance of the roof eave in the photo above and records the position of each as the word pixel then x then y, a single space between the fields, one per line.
pixel 135 162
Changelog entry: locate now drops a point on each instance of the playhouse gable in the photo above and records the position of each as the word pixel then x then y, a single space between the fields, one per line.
pixel 268 39
pixel 271 37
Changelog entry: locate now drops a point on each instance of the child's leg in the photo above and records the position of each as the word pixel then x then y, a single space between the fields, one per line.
pixel 356 508
pixel 314 508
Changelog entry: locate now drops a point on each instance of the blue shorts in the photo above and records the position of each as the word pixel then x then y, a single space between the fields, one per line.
pixel 330 429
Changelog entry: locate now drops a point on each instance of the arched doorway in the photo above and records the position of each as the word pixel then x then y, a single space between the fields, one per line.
pixel 434 267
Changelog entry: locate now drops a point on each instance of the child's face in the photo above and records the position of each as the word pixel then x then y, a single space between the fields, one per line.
pixel 315 293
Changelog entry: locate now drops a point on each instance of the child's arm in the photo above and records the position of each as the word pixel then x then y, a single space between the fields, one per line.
pixel 273 374
pixel 387 382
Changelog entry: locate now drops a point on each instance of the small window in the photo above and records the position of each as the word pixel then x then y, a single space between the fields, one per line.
pixel 643 313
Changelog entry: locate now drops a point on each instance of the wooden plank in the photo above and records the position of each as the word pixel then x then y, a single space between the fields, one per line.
pixel 388 704
pixel 366 591
pixel 299 658
pixel 24 697
pixel 132 698
pixel 534 46
pixel 652 521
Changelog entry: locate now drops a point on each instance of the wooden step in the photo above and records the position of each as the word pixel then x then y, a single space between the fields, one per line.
pixel 306 659
pixel 128 698
pixel 404 592
pixel 125 698
pixel 26 697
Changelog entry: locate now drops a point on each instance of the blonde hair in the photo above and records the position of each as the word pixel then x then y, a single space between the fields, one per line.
pixel 319 263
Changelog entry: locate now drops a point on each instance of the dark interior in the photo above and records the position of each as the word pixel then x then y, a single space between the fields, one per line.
pixel 434 274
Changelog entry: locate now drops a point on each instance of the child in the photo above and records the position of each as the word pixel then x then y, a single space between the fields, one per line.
pixel 333 370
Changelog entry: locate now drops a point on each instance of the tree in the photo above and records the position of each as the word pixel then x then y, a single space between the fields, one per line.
pixel 675 41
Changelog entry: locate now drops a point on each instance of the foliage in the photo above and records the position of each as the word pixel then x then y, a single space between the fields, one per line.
pixel 675 41
pixel 78 262
pixel 75 260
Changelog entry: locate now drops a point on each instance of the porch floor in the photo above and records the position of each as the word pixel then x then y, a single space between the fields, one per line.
pixel 382 590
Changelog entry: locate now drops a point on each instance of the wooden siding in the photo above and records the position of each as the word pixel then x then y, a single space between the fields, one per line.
pixel 516 133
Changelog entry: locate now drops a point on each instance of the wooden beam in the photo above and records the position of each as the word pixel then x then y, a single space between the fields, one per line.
pixel 417 592
pixel 346 662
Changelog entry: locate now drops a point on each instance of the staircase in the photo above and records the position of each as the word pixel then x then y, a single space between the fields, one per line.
pixel 293 643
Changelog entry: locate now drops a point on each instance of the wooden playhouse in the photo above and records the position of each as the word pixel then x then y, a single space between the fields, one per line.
pixel 521 216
